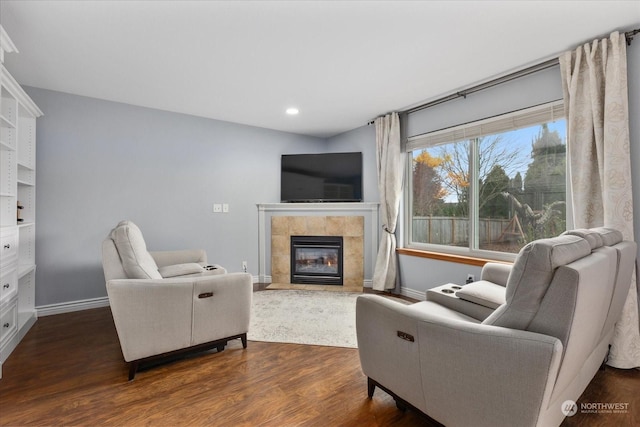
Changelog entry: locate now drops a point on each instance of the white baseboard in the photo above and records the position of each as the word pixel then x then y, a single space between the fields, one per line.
pixel 412 293
pixel 68 307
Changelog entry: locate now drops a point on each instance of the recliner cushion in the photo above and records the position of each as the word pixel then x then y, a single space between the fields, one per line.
pixel 180 269
pixel 137 262
pixel 484 293
pixel 531 276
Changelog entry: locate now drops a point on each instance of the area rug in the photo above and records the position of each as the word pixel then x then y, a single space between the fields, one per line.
pixel 304 317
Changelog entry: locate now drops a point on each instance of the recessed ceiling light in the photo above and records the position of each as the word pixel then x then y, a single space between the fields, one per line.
pixel 292 111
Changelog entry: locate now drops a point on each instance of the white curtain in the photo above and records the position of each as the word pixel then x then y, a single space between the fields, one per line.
pixel 594 79
pixel 390 160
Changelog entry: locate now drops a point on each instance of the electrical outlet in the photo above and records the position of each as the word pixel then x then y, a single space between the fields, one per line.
pixel 217 207
pixel 244 266
pixel 470 278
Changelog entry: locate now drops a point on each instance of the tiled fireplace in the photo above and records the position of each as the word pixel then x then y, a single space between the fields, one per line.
pixel 349 228
pixel 357 224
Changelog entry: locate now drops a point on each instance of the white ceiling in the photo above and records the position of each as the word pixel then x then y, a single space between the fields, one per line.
pixel 342 63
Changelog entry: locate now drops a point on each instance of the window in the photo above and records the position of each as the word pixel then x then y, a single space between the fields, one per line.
pixel 492 185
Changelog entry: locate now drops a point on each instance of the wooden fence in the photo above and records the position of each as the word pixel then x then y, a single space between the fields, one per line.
pixel 455 230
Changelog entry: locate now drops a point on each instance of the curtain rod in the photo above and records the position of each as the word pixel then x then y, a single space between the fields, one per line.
pixel 500 80
pixel 521 73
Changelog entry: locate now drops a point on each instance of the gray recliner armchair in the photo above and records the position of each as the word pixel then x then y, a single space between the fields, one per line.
pixel 164 303
pixel 537 350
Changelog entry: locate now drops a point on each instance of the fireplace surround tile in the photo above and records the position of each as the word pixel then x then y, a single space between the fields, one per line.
pixel 353 249
pixel 354 226
pixel 335 225
pixel 280 265
pixel 315 226
pixel 279 244
pixel 298 225
pixel 279 225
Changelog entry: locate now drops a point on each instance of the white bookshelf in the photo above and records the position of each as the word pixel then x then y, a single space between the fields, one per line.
pixel 18 114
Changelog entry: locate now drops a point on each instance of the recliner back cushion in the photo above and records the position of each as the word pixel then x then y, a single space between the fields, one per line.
pixel 610 236
pixel 111 263
pixel 137 262
pixel 531 276
pixel 594 238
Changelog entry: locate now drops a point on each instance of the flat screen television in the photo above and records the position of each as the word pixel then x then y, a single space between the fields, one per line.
pixel 326 177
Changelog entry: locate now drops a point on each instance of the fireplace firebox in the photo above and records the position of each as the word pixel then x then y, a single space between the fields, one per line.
pixel 316 260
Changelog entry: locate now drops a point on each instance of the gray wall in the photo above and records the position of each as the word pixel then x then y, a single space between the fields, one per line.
pixel 362 139
pixel 534 89
pixel 99 162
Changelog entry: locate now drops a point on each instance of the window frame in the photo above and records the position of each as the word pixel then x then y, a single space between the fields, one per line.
pixel 519 119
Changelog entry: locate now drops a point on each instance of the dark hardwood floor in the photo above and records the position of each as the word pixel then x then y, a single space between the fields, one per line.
pixel 69 371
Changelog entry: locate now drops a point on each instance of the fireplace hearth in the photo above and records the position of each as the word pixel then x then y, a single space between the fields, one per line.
pixel 317 260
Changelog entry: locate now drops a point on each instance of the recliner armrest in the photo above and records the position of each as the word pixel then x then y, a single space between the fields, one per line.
pixel 445 296
pixel 496 273
pixel 165 258
pixel 151 316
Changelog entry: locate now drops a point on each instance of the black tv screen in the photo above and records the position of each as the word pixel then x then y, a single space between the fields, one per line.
pixel 327 177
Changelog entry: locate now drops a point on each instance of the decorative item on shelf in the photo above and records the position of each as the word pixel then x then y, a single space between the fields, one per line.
pixel 20 207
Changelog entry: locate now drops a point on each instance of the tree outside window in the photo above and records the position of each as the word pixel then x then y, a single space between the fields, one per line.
pixel 513 190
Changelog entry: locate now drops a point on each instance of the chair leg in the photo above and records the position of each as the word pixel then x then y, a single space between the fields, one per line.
pixel 371 387
pixel 133 368
pixel 603 365
pixel 243 337
pixel 218 344
pixel 401 404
